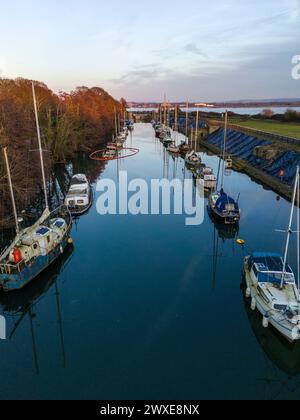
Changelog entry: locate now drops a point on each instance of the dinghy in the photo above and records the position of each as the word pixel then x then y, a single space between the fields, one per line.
pixel 34 248
pixel 271 283
pixel 79 197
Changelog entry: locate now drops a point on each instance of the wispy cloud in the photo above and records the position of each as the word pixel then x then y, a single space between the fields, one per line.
pixel 192 48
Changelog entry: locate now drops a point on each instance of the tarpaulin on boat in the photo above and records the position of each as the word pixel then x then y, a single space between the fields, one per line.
pixel 224 201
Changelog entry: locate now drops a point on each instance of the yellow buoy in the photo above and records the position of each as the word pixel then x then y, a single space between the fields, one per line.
pixel 240 242
pixel 70 241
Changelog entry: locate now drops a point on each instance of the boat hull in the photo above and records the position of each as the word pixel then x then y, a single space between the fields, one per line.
pixel 82 210
pixel 233 219
pixel 13 282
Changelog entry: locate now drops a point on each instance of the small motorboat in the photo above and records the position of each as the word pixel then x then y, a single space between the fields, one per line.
pixel 79 197
pixel 224 208
pixel 192 159
pixel 208 177
pixel 172 148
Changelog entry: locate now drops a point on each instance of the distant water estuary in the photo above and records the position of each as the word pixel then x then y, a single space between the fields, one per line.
pixel 241 111
pixel 145 307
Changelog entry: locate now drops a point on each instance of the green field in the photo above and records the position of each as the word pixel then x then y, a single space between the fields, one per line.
pixel 276 127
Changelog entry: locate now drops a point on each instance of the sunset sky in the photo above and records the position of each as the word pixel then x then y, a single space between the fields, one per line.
pixel 196 50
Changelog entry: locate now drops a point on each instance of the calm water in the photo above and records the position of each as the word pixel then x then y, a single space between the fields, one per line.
pixel 147 308
pixel 241 111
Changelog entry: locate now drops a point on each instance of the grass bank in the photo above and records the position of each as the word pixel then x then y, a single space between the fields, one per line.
pixel 287 129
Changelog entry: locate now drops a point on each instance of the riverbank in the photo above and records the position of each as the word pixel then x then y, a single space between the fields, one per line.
pixel 269 182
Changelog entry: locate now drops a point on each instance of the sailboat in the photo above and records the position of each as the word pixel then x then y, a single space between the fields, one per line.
pixel 220 205
pixel 184 148
pixel 36 247
pixel 271 283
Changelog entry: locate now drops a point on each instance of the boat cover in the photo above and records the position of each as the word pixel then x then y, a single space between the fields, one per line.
pixel 223 201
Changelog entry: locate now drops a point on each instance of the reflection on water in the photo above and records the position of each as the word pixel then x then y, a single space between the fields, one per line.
pixel 145 307
pixel 281 353
pixel 21 305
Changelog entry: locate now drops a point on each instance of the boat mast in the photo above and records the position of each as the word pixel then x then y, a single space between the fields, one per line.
pixel 290 232
pixel 165 110
pixel 298 238
pixel 119 118
pixel 13 201
pixel 197 124
pixel 116 124
pixel 176 123
pixel 186 122
pixel 40 146
pixel 224 147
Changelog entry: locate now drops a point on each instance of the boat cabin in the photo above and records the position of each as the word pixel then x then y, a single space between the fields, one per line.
pixel 78 196
pixel 268 268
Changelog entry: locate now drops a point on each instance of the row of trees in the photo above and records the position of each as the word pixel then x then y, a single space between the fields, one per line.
pixel 289 116
pixel 70 123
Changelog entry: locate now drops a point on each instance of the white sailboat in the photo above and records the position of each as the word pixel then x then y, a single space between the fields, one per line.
pixel 271 283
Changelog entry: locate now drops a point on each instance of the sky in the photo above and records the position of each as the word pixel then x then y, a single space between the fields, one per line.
pixel 192 50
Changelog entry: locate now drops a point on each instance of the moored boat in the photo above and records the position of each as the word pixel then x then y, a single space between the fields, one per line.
pixel 208 177
pixel 184 148
pixel 220 205
pixel 79 197
pixel 192 159
pixel 271 283
pixel 224 208
pixel 172 148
